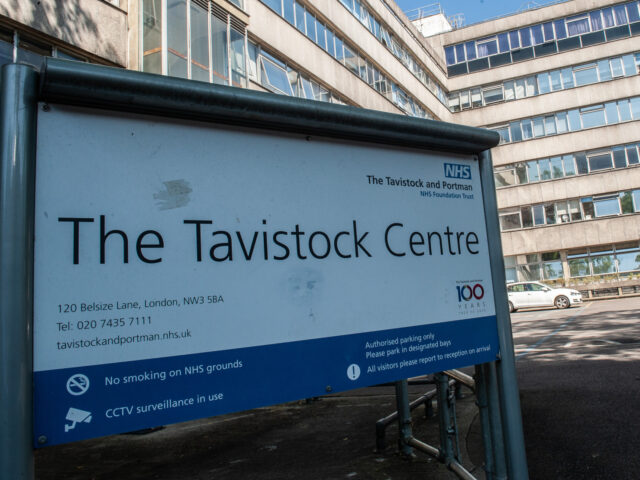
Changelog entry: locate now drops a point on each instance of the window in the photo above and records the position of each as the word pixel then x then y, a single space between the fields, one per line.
pixel 567 78
pixel 635 107
pixel 487 46
pixel 600 161
pixel 562 210
pixel 603 264
pixel 532 171
pixel 504 133
pixel 503 42
pixel 289 11
pixel 620 14
pixel 470 48
pixel 578 25
pixel 493 94
pixel 273 5
pixel 628 262
pixel 476 97
pixel 510 272
pixel 321 38
pixel 543 83
pixel 579 267
pixel 450 55
pixel 550 214
pixel 454 102
pixel 592 116
pixel 220 53
pixel 574 210
pixel 177 38
pixel 581 163
pixel 550 125
pixel 527 129
pixel 616 67
pixel 611 111
pixel 200 43
pixel 350 60
pixel 556 167
pixel 151 36
pixel 538 215
pixel 520 88
pixel 275 77
pixel 510 221
pixel 515 132
pixel 548 31
pixel 596 21
pixel 460 53
pixel 514 40
pixel 624 108
pixel 626 202
pixel 310 21
pixel 299 13
pixel 632 10
pixel 464 100
pixel 509 90
pixel 606 206
pixel 544 166
pixel 586 74
pixel 527 217
pixel 562 122
pixel 632 154
pixel 536 33
pixel 587 208
pixel 525 37
pixel 604 70
pixel 574 120
pixel 538 127
pixel 636 200
pixel 569 165
pixel 619 157
pixel 556 80
pixel 504 178
pixel 629 65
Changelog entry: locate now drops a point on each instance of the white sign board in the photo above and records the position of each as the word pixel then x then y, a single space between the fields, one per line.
pixel 184 270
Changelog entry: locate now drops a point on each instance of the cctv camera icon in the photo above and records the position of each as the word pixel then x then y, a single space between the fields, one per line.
pixel 75 416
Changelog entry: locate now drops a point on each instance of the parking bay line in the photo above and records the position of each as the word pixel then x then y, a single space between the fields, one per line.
pixel 552 334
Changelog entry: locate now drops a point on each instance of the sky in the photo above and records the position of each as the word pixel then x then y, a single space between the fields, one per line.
pixel 474 10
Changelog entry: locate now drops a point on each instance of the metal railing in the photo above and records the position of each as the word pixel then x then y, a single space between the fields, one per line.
pixel 447 390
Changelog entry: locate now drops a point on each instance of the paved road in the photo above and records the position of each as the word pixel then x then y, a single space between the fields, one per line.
pixel 579 377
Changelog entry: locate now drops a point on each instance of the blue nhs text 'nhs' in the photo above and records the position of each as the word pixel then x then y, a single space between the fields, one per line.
pixel 455 170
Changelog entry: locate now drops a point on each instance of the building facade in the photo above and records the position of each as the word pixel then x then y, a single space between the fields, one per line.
pixel 559 83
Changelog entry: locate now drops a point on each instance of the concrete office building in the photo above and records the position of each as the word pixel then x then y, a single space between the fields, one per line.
pixel 559 83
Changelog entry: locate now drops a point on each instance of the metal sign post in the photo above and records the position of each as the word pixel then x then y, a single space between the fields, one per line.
pixel 17 179
pixel 196 247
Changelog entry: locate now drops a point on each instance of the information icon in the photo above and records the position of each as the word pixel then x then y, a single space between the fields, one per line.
pixel 353 372
pixel 78 384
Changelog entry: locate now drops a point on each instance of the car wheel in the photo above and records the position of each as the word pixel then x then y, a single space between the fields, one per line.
pixel 511 309
pixel 561 302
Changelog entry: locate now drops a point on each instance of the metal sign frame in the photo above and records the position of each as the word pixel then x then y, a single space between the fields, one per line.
pixel 79 84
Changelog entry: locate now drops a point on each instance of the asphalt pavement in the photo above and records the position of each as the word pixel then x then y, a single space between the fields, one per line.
pixel 579 379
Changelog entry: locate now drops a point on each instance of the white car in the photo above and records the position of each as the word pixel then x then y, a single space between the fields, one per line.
pixel 536 294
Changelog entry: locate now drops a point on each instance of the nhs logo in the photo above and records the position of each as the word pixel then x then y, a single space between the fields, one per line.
pixel 455 170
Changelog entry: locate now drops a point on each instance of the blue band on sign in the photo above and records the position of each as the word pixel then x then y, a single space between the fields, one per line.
pixel 93 401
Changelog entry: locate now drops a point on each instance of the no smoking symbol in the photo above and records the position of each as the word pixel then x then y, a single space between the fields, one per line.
pixel 78 384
